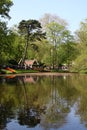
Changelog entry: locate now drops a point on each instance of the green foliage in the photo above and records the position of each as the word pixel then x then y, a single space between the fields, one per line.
pixel 5 8
pixel 54 33
pixel 5 35
pixel 28 41
pixel 17 48
pixel 43 53
pixel 67 53
pixel 80 64
pixel 5 41
pixel 82 32
pixel 10 47
pixel 31 30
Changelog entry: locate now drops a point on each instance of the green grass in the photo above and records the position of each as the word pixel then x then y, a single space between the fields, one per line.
pixel 26 71
pixel 3 71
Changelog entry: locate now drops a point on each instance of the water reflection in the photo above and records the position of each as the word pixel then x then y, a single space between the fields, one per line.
pixel 43 102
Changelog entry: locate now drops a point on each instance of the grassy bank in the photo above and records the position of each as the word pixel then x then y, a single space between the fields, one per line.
pixel 4 71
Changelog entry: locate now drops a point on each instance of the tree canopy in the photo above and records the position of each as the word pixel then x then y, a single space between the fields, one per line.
pixel 48 40
pixel 5 8
pixel 31 30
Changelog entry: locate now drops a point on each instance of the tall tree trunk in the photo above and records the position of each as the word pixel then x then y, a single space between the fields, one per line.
pixel 25 51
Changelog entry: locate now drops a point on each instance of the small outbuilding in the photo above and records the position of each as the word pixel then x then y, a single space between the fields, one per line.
pixel 30 63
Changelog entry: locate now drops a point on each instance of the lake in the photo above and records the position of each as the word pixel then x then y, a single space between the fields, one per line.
pixel 46 101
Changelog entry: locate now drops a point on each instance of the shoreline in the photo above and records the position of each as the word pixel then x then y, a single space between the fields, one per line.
pixel 39 74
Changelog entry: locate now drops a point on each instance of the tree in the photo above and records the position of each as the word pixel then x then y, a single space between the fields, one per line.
pixel 31 30
pixel 7 43
pixel 5 8
pixel 82 32
pixel 57 34
pixel 67 53
pixel 5 39
pixel 80 63
pixel 48 18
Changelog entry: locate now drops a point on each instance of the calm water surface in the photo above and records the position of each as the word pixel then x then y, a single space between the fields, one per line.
pixel 43 102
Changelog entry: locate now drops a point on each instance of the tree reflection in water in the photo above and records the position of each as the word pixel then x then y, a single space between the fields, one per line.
pixel 52 114
pixel 43 100
pixel 57 108
pixel 6 113
pixel 28 115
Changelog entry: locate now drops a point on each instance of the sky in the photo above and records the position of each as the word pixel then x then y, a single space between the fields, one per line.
pixel 72 11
